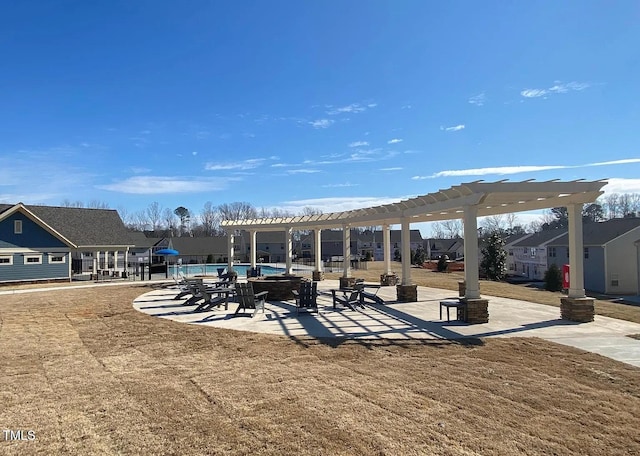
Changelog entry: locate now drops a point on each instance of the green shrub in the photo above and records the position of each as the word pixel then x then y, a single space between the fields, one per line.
pixel 553 278
pixel 442 263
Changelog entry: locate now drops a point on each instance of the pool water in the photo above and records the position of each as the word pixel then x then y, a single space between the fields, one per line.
pixel 212 269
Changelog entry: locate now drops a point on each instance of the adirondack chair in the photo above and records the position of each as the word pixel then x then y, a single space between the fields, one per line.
pixel 369 295
pixel 306 297
pixel 350 298
pixel 248 300
pixel 213 297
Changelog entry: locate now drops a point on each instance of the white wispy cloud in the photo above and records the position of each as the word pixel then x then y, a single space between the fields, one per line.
pixel 321 123
pixel 621 185
pixel 242 165
pixel 303 171
pixel 358 144
pixel 478 100
pixel 353 108
pixel 337 204
pixel 504 170
pixel 453 128
pixel 558 87
pixel 346 184
pixel 397 168
pixel 394 141
pixel 155 185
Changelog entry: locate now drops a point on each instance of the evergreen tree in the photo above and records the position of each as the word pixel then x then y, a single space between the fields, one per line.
pixel 494 261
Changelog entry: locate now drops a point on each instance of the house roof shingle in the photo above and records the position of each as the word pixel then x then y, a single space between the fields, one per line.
pixel 82 226
pixel 602 232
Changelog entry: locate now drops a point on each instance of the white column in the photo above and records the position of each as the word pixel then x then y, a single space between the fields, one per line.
pixel 386 245
pixel 288 247
pixel 230 250
pixel 471 276
pixel 115 260
pixel 317 244
pixel 576 252
pixel 96 258
pixel 406 251
pixel 126 261
pixel 253 245
pixel 346 251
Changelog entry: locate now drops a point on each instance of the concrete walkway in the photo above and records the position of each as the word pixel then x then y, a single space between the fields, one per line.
pixel 417 320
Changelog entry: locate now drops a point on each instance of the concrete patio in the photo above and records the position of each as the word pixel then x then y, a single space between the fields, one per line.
pixel 416 320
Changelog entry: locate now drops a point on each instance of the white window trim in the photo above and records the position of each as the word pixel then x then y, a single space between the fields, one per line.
pixel 55 255
pixel 17 227
pixel 27 262
pixel 10 257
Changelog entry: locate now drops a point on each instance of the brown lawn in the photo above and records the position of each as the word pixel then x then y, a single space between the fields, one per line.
pixel 89 375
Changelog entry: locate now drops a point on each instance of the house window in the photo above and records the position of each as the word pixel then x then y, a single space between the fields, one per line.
pixel 614 280
pixel 533 252
pixel 17 227
pixel 552 252
pixel 56 258
pixel 510 252
pixel 6 260
pixel 586 253
pixel 33 259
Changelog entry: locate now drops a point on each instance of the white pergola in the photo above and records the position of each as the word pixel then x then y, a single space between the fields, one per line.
pixel 466 201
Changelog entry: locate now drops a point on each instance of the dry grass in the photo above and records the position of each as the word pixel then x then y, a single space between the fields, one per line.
pixel 90 375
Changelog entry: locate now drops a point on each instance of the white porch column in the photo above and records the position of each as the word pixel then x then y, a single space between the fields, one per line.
pixel 230 250
pixel 288 250
pixel 386 245
pixel 346 250
pixel 96 259
pixel 471 275
pixel 406 251
pixel 253 245
pixel 317 245
pixel 126 261
pixel 115 260
pixel 576 252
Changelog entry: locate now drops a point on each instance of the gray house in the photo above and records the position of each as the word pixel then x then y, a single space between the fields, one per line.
pixel 46 243
pixel 528 255
pixel 611 258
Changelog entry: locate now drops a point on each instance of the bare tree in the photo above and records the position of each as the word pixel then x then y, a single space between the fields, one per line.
pixel 154 215
pixel 493 224
pixel 237 211
pixel 139 220
pixel 68 203
pixel 447 229
pixel 169 219
pixel 612 205
pixel 210 219
pixel 96 204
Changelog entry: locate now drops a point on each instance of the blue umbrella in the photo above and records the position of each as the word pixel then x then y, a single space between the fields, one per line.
pixel 167 252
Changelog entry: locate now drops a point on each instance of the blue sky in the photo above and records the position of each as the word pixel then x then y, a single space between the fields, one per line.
pixel 330 104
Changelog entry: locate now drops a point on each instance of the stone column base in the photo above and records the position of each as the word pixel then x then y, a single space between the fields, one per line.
pixel 477 310
pixel 388 280
pixel 577 309
pixel 347 282
pixel 317 276
pixel 407 293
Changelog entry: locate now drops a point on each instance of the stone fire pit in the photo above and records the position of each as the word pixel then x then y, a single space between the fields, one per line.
pixel 280 287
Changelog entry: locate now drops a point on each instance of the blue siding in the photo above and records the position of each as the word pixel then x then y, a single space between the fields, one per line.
pixel 20 271
pixel 594 279
pixel 33 235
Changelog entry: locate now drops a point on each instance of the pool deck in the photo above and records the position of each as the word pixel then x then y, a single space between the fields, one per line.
pixel 416 320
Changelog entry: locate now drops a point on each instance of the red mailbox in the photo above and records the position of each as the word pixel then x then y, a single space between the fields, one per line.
pixel 565 276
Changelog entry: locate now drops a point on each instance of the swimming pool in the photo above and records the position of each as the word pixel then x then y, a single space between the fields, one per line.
pixel 212 269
